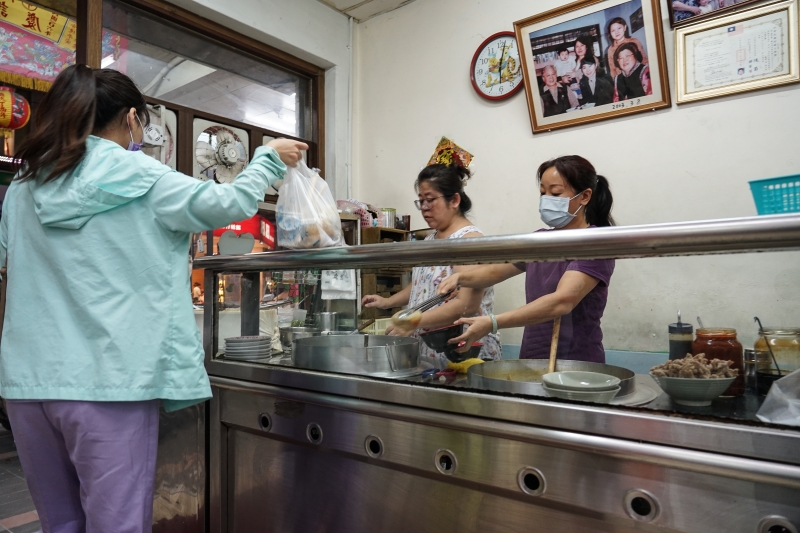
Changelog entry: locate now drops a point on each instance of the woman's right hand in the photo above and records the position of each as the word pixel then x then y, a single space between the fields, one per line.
pixel 448 284
pixel 373 300
pixel 288 150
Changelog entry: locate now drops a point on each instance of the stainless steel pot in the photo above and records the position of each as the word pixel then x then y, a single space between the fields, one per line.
pixel 374 355
pixel 524 376
pixel 291 334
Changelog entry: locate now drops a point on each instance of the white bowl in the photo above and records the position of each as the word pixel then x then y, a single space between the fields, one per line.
pixel 604 396
pixel 580 381
pixel 693 391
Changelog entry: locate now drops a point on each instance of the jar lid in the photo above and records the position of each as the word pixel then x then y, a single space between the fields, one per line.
pixel 681 327
pixel 390 209
pixel 773 330
pixel 713 332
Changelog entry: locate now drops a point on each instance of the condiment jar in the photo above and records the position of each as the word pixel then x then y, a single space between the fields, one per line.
pixel 680 340
pixel 785 344
pixel 721 343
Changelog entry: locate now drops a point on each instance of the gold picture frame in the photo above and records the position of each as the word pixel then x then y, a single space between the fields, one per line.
pixel 618 43
pixel 745 51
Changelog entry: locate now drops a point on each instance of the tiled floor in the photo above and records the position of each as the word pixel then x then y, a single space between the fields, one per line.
pixel 17 513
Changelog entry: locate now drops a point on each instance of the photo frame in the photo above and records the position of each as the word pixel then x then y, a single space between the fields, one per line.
pixel 745 51
pixel 683 12
pixel 585 62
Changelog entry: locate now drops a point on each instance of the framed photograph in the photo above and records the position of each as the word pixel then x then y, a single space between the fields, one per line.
pixel 683 12
pixel 744 51
pixel 593 60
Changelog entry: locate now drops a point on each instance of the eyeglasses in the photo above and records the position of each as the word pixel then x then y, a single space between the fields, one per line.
pixel 427 203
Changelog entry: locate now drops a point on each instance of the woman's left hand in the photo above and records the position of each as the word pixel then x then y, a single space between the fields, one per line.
pixel 479 327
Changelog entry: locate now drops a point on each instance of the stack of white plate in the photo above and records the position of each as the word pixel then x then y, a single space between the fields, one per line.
pixel 581 386
pixel 254 347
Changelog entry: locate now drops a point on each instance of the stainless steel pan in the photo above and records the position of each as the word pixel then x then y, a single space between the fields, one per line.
pixel 524 376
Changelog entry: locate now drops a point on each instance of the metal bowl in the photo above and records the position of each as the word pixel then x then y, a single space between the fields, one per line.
pixel 524 376
pixel 291 334
pixel 374 355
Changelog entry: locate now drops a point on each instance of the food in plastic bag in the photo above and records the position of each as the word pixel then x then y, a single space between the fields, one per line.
pixel 782 405
pixel 307 216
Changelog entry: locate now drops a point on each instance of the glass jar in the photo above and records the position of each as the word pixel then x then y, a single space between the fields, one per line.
pixel 785 344
pixel 721 343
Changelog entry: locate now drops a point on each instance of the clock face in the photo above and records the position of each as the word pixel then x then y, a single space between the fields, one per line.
pixel 496 69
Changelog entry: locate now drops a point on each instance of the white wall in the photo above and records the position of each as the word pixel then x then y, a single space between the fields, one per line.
pixel 691 162
pixel 312 31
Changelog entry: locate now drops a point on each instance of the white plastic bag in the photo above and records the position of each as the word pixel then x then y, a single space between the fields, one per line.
pixel 307 216
pixel 782 405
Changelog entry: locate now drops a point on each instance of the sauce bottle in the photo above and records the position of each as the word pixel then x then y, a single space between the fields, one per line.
pixel 680 339
pixel 721 343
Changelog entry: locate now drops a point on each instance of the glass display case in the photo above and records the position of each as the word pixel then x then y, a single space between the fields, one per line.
pixel 367 413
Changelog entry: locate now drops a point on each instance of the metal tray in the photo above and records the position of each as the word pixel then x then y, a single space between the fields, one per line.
pixel 524 376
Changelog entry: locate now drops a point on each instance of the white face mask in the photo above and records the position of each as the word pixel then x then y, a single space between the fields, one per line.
pixel 554 210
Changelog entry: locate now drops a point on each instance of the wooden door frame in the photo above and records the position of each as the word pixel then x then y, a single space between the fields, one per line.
pixel 89 52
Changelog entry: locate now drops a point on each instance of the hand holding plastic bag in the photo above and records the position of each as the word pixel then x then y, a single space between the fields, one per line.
pixel 307 216
pixel 782 405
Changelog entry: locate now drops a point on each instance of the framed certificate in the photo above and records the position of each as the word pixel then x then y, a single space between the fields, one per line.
pixel 593 60
pixel 749 50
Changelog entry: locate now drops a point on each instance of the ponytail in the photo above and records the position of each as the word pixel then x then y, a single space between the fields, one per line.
pixel 598 211
pixel 80 102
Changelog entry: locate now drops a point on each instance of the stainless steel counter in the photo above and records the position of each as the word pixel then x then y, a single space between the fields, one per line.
pixel 294 450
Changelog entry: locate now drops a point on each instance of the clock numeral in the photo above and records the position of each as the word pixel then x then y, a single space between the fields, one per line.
pixel 484 60
pixel 480 71
pixel 491 51
pixel 501 89
pixel 512 84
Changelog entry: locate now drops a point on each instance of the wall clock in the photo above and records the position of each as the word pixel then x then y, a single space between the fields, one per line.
pixel 496 70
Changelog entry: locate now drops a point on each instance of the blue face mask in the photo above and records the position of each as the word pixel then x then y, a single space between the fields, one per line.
pixel 554 210
pixel 134 146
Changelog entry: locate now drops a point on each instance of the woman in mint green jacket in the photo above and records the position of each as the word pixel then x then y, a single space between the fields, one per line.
pixel 99 324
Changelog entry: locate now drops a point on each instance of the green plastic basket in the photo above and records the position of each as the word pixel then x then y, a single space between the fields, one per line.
pixel 777 195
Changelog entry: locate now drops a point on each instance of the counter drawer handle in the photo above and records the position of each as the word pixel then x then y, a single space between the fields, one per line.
pixel 641 505
pixel 446 462
pixel 531 481
pixel 374 446
pixel 314 433
pixel 776 524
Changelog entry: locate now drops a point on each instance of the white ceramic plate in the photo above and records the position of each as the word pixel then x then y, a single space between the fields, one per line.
pixel 643 395
pixel 581 396
pixel 580 381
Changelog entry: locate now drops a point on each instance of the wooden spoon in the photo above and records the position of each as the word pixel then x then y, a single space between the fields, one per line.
pixel 554 345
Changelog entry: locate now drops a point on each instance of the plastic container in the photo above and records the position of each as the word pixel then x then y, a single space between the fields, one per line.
pixel 785 344
pixel 777 195
pixel 721 343
pixel 388 217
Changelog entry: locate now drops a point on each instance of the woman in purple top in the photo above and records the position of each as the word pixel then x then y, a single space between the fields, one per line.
pixel 574 196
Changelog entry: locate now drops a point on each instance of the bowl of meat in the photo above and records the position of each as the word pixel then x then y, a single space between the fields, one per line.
pixel 694 380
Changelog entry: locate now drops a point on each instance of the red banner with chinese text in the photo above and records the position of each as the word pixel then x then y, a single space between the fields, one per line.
pixel 37 44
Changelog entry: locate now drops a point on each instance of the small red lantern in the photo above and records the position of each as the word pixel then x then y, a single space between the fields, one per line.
pixel 14 109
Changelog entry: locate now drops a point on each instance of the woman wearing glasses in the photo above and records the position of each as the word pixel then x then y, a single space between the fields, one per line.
pixel 444 206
